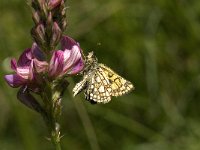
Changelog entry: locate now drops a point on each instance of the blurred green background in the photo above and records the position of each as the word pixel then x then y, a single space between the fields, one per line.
pixel 154 44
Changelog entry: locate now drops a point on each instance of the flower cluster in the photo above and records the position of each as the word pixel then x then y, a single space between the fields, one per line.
pixel 32 64
pixel 42 68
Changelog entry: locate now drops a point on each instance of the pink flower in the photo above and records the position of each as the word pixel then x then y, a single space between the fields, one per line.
pixel 30 62
pixel 67 61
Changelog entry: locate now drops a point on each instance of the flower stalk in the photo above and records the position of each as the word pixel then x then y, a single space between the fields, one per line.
pixel 41 71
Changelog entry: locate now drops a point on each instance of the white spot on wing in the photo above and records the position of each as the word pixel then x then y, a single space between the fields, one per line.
pixel 101 89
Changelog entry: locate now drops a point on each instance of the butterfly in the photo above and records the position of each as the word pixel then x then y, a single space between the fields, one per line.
pixel 100 82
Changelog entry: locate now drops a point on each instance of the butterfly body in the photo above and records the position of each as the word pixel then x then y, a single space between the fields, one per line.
pixel 100 82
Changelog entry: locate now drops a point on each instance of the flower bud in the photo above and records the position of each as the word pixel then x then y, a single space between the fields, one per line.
pixel 56 34
pixel 36 17
pixel 49 19
pixel 64 24
pixel 54 3
pixel 40 30
pixel 38 33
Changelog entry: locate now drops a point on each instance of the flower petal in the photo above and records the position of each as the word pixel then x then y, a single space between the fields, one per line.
pixel 23 72
pixel 25 58
pixel 37 53
pixel 14 80
pixel 13 64
pixel 68 43
pixel 56 63
pixel 76 68
pixel 75 55
pixel 31 71
pixel 40 66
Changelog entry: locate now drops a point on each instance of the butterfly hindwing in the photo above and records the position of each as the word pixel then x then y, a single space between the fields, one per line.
pixel 80 86
pixel 98 89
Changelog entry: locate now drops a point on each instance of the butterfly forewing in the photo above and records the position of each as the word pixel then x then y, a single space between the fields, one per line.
pixel 118 84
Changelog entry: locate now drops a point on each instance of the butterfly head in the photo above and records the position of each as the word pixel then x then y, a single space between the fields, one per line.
pixel 91 59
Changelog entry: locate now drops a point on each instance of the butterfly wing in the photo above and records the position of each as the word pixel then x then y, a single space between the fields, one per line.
pixel 98 89
pixel 118 84
pixel 100 83
pixel 80 86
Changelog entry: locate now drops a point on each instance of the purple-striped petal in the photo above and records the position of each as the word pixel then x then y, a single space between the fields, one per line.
pixel 68 60
pixel 13 64
pixel 56 63
pixel 75 55
pixel 40 66
pixel 77 68
pixel 14 80
pixel 23 72
pixel 68 43
pixel 25 58
pixel 31 72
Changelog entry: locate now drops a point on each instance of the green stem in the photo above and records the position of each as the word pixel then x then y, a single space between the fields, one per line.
pixel 54 129
pixel 56 140
pixel 52 100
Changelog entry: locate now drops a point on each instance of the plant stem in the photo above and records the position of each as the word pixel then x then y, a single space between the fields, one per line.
pixel 56 140
pixel 54 127
pixel 52 99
